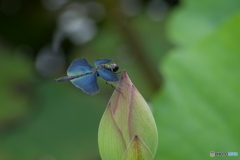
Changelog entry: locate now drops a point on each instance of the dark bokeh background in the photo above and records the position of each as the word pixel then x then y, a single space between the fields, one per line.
pixel 45 120
pixel 183 56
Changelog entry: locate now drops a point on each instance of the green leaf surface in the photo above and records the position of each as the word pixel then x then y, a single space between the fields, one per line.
pixel 198 110
pixel 195 20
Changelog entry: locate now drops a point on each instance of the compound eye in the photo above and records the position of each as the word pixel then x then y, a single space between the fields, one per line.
pixel 115 67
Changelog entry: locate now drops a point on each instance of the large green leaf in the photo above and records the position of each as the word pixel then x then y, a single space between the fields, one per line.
pixel 197 19
pixel 198 110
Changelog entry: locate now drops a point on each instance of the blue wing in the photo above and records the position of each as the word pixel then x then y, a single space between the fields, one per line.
pixel 87 84
pixel 79 66
pixel 103 61
pixel 107 75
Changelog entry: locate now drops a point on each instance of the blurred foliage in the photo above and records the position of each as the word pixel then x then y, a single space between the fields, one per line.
pixel 15 95
pixel 198 109
pixel 41 119
pixel 195 20
pixel 64 126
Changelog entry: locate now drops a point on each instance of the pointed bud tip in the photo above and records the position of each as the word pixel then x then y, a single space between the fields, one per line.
pixel 124 75
pixel 125 79
pixel 136 138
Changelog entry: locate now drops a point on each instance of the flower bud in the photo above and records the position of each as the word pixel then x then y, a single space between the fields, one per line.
pixel 127 129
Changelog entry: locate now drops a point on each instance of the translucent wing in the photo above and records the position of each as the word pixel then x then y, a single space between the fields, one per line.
pixel 103 61
pixel 79 66
pixel 87 83
pixel 107 75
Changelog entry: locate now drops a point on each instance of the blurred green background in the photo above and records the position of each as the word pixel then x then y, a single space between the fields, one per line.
pixel 183 56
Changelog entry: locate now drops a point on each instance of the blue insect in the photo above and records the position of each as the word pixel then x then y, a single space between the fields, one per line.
pixel 84 76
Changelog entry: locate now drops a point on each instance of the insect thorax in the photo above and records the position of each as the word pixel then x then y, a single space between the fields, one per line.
pixel 111 67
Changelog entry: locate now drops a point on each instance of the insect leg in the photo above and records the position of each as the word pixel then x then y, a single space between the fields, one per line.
pixel 114 87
